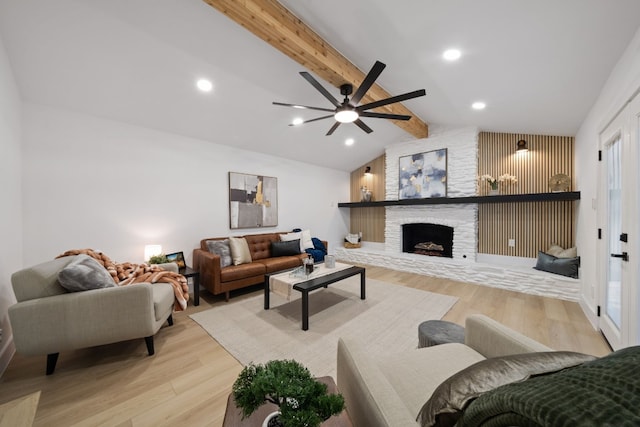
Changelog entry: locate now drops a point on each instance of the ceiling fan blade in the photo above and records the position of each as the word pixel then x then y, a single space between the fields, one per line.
pixel 367 82
pixel 362 126
pixel 392 100
pixel 384 115
pixel 311 120
pixel 303 107
pixel 308 77
pixel 334 127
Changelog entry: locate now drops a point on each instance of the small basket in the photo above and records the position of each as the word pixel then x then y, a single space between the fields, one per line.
pixel 350 245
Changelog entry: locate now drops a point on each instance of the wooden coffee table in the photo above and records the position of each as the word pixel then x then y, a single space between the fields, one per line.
pixel 306 286
pixel 233 414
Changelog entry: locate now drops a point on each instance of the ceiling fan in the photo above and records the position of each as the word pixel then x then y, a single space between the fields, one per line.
pixel 348 111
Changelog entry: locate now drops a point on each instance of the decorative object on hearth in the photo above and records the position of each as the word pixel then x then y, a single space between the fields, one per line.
pixel 423 175
pixel 352 240
pixel 348 111
pixel 253 201
pixel 559 183
pixel 301 399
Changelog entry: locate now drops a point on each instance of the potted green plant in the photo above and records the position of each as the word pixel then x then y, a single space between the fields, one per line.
pixel 301 399
pixel 158 259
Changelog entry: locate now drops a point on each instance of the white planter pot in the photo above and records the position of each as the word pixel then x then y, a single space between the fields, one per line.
pixel 274 414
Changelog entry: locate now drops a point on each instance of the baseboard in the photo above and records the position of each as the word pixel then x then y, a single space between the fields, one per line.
pixel 6 353
pixel 589 312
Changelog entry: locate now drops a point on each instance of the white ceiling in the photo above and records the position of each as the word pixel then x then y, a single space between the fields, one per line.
pixel 539 66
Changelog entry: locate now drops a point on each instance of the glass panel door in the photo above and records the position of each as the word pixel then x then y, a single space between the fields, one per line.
pixel 613 296
pixel 618 211
pixel 613 210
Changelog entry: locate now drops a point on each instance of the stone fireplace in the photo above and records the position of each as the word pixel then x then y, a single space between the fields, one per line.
pixel 460 219
pixel 428 239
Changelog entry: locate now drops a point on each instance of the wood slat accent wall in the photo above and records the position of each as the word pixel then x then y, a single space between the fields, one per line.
pixel 369 221
pixel 533 226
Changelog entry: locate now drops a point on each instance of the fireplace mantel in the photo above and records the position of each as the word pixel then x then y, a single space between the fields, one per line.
pixel 502 198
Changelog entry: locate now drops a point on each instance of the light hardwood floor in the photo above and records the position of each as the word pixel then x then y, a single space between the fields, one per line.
pixel 189 378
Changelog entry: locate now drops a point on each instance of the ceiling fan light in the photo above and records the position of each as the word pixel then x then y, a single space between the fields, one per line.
pixel 451 54
pixel 346 116
pixel 204 85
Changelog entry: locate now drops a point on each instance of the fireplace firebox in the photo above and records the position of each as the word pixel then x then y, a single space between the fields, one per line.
pixel 428 239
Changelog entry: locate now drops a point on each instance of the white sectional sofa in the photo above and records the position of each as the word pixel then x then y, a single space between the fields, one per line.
pixel 390 389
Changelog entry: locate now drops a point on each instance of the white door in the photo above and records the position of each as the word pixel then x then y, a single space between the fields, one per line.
pixel 618 197
pixel 633 306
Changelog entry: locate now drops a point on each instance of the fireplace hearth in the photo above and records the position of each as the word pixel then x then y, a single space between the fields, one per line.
pixel 428 239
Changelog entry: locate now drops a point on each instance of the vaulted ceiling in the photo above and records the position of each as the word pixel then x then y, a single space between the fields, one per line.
pixel 538 66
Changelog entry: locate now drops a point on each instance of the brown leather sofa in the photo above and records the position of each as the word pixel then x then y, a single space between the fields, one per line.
pixel 218 280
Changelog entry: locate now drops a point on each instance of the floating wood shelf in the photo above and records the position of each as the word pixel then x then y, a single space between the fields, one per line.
pixel 502 198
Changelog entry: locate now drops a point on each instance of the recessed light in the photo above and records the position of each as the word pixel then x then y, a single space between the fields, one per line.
pixel 297 121
pixel 479 105
pixel 451 54
pixel 204 85
pixel 349 141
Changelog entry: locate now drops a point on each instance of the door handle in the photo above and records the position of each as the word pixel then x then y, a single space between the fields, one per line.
pixel 623 255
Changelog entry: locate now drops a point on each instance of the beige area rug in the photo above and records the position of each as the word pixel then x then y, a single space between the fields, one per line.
pixel 387 320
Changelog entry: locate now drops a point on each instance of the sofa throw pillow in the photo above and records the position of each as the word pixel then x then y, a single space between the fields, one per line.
pixel 563 266
pixel 451 397
pixel 559 252
pixel 222 249
pixel 85 273
pixel 292 247
pixel 293 236
pixel 239 250
pixel 306 242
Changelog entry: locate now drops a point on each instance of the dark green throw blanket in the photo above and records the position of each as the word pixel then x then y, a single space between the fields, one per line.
pixel 604 392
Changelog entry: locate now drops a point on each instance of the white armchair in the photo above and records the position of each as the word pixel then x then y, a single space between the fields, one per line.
pixel 48 319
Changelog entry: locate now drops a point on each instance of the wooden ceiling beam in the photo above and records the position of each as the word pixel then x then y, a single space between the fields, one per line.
pixel 274 24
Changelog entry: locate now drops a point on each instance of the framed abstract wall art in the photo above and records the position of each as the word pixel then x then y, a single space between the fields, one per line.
pixel 423 175
pixel 253 201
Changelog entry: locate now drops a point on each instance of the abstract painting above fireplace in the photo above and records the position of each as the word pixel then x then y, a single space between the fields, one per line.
pixel 423 175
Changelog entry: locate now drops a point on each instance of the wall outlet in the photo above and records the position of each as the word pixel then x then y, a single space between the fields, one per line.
pixel 512 243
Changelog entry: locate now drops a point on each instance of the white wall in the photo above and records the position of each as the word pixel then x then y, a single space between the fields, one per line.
pixel 10 194
pixel 623 81
pixel 95 183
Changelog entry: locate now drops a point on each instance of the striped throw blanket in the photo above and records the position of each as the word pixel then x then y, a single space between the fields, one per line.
pixel 127 273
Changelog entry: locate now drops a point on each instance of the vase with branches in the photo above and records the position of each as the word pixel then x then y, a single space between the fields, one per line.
pixel 494 183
